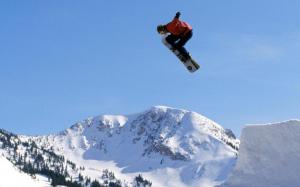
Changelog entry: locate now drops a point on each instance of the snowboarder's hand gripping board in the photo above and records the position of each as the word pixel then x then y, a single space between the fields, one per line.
pixel 189 63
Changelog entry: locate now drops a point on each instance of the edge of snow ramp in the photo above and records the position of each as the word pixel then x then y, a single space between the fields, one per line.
pixel 269 155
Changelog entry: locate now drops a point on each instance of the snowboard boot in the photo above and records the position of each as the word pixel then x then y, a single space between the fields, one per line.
pixel 173 48
pixel 185 57
pixel 188 56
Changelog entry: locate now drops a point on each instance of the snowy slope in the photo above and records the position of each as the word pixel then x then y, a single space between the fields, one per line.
pixel 12 177
pixel 269 156
pixel 170 147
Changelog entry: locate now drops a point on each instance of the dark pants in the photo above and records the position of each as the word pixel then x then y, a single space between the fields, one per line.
pixel 178 42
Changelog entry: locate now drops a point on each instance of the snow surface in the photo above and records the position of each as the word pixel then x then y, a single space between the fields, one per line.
pixel 269 156
pixel 10 176
pixel 168 146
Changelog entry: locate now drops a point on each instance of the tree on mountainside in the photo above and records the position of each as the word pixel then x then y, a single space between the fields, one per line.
pixel 96 184
pixel 141 182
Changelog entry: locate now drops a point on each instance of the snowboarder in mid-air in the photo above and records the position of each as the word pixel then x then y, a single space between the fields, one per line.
pixel 180 33
pixel 175 35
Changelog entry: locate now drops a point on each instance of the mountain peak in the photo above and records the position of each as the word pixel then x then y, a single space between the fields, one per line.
pixel 159 141
pixel 157 123
pixel 165 108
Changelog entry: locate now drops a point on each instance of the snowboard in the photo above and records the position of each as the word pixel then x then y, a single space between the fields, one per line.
pixel 190 64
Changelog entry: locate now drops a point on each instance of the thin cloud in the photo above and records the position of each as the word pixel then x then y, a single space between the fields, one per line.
pixel 257 49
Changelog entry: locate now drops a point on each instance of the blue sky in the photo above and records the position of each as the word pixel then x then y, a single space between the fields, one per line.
pixel 63 61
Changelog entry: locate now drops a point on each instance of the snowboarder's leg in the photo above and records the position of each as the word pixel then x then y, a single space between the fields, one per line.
pixel 183 40
pixel 171 39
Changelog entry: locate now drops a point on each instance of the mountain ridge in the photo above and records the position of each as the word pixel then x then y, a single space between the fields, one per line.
pixel 157 136
pixel 161 141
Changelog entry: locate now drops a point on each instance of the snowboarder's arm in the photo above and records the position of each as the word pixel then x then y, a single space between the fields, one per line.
pixel 175 19
pixel 177 15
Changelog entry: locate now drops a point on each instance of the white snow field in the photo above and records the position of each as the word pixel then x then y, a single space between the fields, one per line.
pixel 269 156
pixel 10 176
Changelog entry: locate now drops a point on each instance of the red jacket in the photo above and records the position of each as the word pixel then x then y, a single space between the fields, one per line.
pixel 177 27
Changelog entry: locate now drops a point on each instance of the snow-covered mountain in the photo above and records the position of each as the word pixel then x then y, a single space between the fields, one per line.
pixel 269 156
pixel 36 161
pixel 161 146
pixel 169 147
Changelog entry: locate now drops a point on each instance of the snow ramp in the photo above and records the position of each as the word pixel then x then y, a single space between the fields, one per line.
pixel 269 156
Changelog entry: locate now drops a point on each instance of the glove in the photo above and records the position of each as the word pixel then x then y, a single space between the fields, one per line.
pixel 177 15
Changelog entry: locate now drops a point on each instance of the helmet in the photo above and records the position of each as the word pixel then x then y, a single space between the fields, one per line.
pixel 161 29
